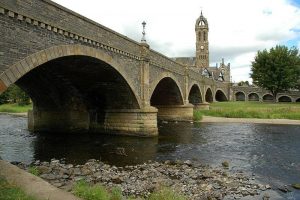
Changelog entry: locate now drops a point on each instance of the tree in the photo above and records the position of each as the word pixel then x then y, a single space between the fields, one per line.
pixel 14 94
pixel 277 70
pixel 243 83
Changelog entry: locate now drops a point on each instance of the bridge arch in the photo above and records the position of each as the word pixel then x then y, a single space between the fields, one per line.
pixel 67 97
pixel 284 98
pixel 268 98
pixel 220 95
pixel 253 97
pixel 21 68
pixel 166 92
pixel 171 78
pixel 298 100
pixel 209 95
pixel 240 96
pixel 195 96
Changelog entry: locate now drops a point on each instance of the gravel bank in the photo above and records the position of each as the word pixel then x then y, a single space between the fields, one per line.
pixel 194 180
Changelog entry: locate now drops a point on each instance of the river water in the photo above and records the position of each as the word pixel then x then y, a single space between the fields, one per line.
pixel 270 152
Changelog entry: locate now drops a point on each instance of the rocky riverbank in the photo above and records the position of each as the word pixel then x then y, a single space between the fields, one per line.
pixel 193 180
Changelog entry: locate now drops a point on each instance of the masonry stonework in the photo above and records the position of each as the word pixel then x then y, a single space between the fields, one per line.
pixel 82 76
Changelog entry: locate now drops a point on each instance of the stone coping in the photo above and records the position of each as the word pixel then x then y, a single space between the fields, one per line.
pixel 32 185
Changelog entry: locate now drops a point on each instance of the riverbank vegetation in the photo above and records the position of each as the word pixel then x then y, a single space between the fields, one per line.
pixel 8 191
pixel 14 94
pixel 251 110
pixel 98 192
pixel 15 108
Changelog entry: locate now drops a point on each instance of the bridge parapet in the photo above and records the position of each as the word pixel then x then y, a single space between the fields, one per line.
pixel 54 16
pixel 162 61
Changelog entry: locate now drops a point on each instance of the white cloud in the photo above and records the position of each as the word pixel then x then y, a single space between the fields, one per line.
pixel 238 29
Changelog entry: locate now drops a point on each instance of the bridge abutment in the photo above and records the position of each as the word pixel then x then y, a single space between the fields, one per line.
pixel 175 112
pixel 58 121
pixel 136 122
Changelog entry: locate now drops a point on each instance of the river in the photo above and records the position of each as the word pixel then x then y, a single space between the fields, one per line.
pixel 270 152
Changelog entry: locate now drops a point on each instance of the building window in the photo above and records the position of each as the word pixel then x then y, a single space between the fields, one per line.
pixel 199 36
pixel 204 36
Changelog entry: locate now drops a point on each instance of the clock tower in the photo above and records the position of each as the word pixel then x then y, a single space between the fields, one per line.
pixel 202 51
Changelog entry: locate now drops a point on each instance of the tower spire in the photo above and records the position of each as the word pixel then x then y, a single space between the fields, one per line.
pixel 202 48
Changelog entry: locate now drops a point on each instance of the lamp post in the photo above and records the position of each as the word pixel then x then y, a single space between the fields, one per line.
pixel 144 33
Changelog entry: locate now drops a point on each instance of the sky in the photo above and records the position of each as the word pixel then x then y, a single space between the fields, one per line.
pixel 237 28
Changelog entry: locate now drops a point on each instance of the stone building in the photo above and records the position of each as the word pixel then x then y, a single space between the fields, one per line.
pixel 200 62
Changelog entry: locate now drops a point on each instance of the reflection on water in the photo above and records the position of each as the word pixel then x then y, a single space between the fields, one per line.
pixel 269 151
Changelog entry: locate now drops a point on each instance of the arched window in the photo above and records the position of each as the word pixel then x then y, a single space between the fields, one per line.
pixel 204 36
pixel 199 36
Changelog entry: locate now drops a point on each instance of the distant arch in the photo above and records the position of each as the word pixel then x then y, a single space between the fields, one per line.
pixel 209 96
pixel 284 99
pixel 220 96
pixel 195 96
pixel 268 98
pixel 240 96
pixel 298 100
pixel 253 97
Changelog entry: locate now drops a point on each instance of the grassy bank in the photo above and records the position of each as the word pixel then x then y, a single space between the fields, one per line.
pixel 252 110
pixel 15 108
pixel 8 191
pixel 97 192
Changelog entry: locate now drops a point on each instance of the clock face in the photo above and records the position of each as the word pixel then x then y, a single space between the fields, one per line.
pixel 202 47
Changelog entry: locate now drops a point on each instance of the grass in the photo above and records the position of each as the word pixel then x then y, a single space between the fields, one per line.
pixel 198 115
pixel 252 110
pixel 14 108
pixel 166 194
pixel 11 192
pixel 34 170
pixel 97 192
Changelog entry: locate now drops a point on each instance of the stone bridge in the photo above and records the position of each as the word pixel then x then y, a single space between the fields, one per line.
pixel 248 93
pixel 82 76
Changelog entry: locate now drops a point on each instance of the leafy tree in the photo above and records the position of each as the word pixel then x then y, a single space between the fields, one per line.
pixel 14 94
pixel 243 83
pixel 277 70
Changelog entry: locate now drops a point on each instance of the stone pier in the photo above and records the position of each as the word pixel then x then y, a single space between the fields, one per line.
pixel 175 112
pixel 138 122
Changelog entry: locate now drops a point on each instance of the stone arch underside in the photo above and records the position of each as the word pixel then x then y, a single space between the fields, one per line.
pixel 298 100
pixel 253 97
pixel 76 88
pixel 64 90
pixel 284 99
pixel 220 96
pixel 195 96
pixel 168 99
pixel 268 98
pixel 166 92
pixel 209 96
pixel 240 96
